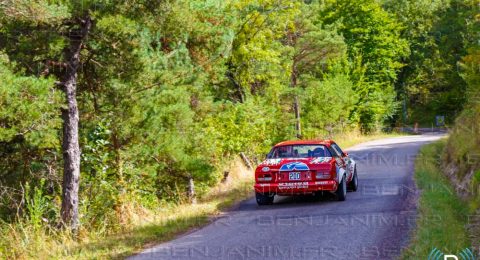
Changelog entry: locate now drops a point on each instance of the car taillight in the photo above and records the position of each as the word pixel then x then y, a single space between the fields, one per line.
pixel 265 177
pixel 321 175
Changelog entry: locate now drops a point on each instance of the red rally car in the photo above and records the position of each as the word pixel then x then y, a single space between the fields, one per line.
pixel 305 167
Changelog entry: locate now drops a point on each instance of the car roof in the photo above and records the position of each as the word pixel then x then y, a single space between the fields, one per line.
pixel 305 142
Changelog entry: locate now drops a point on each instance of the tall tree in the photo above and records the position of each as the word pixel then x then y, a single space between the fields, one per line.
pixel 311 47
pixel 375 49
pixel 256 56
pixel 52 22
pixel 52 39
pixel 76 37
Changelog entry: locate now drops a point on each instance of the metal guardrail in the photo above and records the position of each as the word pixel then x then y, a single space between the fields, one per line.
pixel 420 130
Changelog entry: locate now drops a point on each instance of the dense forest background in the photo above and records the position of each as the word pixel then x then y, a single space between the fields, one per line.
pixel 169 91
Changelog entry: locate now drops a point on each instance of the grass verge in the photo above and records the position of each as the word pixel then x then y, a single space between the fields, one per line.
pixel 442 216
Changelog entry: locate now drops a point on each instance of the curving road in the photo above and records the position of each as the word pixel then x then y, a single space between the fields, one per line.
pixel 373 223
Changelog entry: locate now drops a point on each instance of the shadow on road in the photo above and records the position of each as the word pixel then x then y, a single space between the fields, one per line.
pixel 285 202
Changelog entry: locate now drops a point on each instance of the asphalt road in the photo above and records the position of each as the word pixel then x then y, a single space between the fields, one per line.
pixel 373 223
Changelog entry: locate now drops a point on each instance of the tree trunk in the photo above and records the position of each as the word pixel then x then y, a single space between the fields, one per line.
pixel 70 145
pixel 238 88
pixel 118 158
pixel 296 108
pixel 296 103
pixel 246 161
pixel 191 191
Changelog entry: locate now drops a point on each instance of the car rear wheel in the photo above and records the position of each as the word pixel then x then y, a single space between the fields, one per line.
pixel 264 199
pixel 353 184
pixel 342 190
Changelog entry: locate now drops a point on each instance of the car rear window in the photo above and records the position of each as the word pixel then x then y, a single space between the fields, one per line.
pixel 299 151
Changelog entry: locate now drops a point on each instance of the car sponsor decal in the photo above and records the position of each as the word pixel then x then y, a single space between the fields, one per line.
pixel 294 166
pixel 339 161
pixel 320 160
pixel 292 185
pixel 270 162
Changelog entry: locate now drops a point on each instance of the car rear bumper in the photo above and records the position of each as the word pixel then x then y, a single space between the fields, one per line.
pixel 290 188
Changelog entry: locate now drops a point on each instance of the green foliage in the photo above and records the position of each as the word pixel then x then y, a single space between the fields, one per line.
pixel 442 214
pixel 29 124
pixel 327 105
pixel 34 11
pixel 28 108
pixel 256 52
pixel 370 32
pixel 430 80
pixel 37 205
pixel 462 146
pixel 375 49
pixel 99 191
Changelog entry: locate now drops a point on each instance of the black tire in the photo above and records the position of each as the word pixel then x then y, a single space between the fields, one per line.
pixel 353 184
pixel 264 199
pixel 342 190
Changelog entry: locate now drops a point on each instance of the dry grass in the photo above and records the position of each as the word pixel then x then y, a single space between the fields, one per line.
pixel 345 140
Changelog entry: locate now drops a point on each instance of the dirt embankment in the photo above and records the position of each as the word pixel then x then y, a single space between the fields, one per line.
pixel 461 163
